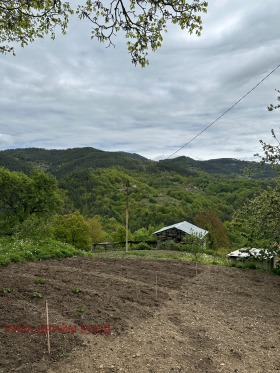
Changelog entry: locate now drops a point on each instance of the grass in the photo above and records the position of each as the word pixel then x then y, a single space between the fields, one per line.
pixel 165 255
pixel 14 250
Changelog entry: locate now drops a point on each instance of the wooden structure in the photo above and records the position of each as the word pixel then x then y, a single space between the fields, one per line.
pixel 107 246
pixel 178 232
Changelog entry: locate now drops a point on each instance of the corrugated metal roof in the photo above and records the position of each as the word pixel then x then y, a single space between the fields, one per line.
pixel 187 228
pixel 246 253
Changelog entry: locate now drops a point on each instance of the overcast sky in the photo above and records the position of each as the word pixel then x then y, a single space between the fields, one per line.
pixel 74 92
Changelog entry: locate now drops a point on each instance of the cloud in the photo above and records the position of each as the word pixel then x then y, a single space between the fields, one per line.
pixel 74 92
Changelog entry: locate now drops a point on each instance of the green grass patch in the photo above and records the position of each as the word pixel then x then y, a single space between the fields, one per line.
pixel 165 255
pixel 40 281
pixel 14 250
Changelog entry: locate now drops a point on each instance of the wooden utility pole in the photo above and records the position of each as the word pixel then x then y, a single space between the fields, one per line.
pixel 126 216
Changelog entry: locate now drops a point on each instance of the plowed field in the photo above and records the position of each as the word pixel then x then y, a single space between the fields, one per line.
pixel 136 315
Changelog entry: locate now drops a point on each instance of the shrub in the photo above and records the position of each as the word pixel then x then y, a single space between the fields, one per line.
pixel 276 271
pixel 169 245
pixel 142 246
pixel 73 229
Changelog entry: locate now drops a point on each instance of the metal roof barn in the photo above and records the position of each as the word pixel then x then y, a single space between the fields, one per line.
pixel 178 232
pixel 186 227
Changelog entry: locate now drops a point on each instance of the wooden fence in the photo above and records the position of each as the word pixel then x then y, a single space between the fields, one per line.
pixel 111 246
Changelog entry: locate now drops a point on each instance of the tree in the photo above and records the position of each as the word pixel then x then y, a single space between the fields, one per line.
pixel 143 22
pixel 259 219
pixel 272 107
pixel 73 229
pixel 210 221
pixel 271 152
pixel 22 196
pixel 97 233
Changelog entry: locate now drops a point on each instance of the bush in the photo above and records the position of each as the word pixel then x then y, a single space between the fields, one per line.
pixel 276 271
pixel 142 246
pixel 73 229
pixel 170 245
pixel 33 227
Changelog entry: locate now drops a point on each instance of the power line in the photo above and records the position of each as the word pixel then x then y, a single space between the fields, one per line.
pixel 231 107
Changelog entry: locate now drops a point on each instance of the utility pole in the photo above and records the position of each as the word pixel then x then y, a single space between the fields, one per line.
pixel 126 216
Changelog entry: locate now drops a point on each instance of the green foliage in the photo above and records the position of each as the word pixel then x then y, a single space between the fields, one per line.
pixel 167 255
pixel 80 309
pixel 276 271
pixel 40 281
pixel 38 294
pixel 33 226
pixel 259 220
pixel 76 290
pixel 170 245
pixel 141 246
pixel 7 290
pixel 73 229
pixel 143 23
pixel 24 21
pixel 194 244
pixel 19 250
pixel 97 233
pixel 22 197
pixel 210 221
pixel 160 193
pixel 120 234
pixel 144 234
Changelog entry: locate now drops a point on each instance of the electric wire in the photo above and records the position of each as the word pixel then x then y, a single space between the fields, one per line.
pixel 230 108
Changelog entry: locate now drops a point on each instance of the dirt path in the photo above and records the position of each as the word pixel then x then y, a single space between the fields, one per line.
pixel 220 320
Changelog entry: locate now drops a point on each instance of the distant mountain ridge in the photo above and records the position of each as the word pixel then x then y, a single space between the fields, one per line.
pixel 63 161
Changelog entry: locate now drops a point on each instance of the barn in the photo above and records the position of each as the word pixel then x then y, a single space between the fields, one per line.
pixel 178 232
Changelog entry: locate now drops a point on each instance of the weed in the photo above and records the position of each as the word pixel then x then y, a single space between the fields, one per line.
pixel 40 281
pixel 76 290
pixel 37 294
pixel 80 309
pixel 7 290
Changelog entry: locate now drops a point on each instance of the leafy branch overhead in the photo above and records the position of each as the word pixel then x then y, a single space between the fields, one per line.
pixel 272 151
pixel 142 22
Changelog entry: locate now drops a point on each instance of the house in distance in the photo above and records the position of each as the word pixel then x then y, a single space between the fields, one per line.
pixel 179 232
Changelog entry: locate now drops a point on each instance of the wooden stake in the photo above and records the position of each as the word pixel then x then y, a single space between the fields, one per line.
pixel 48 331
pixel 156 287
pixel 126 217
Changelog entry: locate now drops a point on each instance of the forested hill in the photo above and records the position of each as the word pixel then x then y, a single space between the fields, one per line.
pixel 93 183
pixel 63 162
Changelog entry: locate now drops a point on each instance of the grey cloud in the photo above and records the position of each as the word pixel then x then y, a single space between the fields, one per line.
pixel 75 92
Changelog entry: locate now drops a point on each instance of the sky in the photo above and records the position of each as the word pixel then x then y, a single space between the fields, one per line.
pixel 74 92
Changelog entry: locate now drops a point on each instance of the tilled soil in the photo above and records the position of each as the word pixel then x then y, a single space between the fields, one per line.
pixel 110 316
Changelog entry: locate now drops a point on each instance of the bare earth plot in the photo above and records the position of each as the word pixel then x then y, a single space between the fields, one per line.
pixel 220 320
